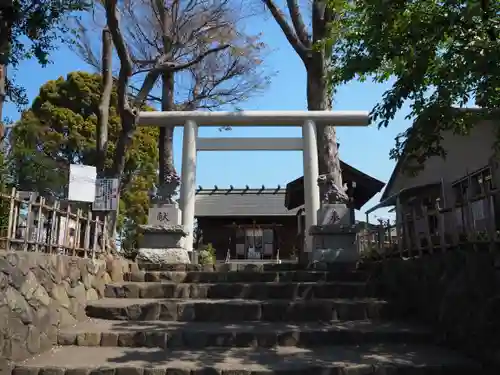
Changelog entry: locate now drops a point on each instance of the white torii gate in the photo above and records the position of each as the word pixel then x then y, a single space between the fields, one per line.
pixel 307 143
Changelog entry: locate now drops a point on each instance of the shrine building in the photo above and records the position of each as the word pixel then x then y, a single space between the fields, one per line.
pixel 265 222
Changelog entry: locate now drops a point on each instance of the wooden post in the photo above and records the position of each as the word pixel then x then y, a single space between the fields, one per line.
pixel 399 226
pixel 406 232
pixel 493 175
pixel 11 223
pixel 441 225
pixel 86 239
pixel 28 225
pixel 39 227
pixel 471 232
pixel 15 218
pixel 389 233
pixel 105 235
pixel 425 215
pixel 96 236
pixel 415 230
pixel 380 237
pixel 54 225
pixel 66 229
pixel 76 239
pixel 490 216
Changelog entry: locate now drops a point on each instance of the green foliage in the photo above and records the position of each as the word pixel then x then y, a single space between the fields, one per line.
pixel 60 129
pixel 36 27
pixel 207 255
pixel 435 54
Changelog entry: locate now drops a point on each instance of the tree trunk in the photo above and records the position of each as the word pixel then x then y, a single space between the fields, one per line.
pixel 128 113
pixel 166 138
pixel 319 98
pixel 6 21
pixel 102 124
pixel 103 113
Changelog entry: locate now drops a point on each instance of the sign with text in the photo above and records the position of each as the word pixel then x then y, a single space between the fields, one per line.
pixel 82 183
pixel 164 215
pixel 106 194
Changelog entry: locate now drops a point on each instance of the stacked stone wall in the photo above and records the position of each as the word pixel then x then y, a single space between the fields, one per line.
pixel 39 294
pixel 457 293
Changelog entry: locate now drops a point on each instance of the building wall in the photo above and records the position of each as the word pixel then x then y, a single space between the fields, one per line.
pixel 217 232
pixel 464 154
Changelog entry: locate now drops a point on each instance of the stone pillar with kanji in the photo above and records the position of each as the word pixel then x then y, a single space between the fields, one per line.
pixel 163 237
pixel 334 237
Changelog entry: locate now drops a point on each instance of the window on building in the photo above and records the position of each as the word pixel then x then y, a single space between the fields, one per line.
pixel 268 238
pixel 268 235
pixel 479 181
pixel 473 189
pixel 253 238
pixel 240 236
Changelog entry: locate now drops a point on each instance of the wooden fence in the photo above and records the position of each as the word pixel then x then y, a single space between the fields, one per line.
pixel 420 230
pixel 50 227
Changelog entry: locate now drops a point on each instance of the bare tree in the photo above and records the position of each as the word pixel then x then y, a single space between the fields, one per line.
pixel 127 108
pixel 307 43
pixel 198 46
pixel 202 59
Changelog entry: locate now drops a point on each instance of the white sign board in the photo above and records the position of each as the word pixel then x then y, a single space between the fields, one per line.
pixel 164 215
pixel 82 180
pixel 106 194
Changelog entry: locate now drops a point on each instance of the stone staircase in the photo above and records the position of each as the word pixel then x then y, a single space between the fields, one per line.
pixel 242 320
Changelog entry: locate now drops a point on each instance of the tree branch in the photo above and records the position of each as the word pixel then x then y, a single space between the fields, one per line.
pixel 170 66
pixel 298 23
pixel 176 67
pixel 118 40
pixel 146 88
pixel 290 34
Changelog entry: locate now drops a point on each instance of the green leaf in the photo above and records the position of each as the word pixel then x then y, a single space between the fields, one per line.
pixel 60 129
pixel 438 55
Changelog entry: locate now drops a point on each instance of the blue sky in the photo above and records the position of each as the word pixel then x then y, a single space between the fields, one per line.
pixel 365 148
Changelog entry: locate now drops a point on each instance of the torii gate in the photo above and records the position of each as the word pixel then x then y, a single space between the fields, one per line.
pixel 307 143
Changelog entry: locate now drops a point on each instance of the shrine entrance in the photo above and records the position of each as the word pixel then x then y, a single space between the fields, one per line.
pixel 307 120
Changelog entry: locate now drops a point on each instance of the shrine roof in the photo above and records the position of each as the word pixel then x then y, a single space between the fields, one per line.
pixel 366 187
pixel 241 201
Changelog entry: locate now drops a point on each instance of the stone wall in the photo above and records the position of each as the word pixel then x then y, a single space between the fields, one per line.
pixel 456 292
pixel 40 293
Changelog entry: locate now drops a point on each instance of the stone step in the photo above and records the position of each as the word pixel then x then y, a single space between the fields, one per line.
pixel 360 360
pixel 248 267
pixel 97 332
pixel 237 310
pixel 243 276
pixel 282 290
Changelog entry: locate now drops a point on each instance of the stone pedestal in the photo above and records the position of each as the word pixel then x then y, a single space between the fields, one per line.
pixel 163 244
pixel 334 243
pixel 164 214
